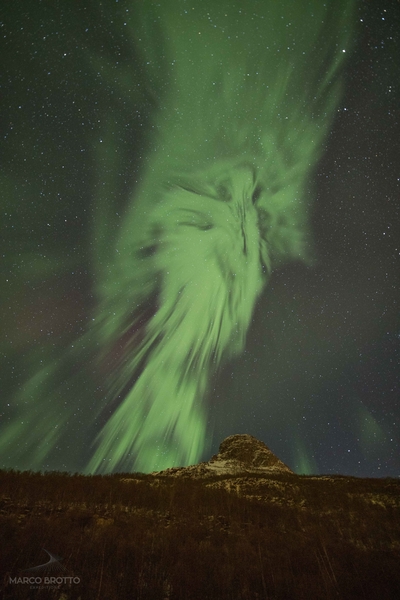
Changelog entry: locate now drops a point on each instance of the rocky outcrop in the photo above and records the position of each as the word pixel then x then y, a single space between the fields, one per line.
pixel 245 452
pixel 238 454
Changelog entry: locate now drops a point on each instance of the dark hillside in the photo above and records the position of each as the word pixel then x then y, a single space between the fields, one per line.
pixel 133 536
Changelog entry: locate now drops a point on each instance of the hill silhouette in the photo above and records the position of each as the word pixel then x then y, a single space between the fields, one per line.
pixel 202 532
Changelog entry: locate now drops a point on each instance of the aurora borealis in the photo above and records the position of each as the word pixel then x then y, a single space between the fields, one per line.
pixel 162 162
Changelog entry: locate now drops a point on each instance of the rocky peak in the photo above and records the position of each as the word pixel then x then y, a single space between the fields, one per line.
pixel 240 453
pixel 247 453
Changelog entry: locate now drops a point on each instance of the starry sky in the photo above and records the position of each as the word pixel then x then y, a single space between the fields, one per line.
pixel 328 354
pixel 319 381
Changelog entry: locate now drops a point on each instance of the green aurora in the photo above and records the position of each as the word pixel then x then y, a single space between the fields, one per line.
pixel 242 97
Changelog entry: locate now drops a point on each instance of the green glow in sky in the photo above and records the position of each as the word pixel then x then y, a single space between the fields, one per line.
pixel 244 95
pixel 247 97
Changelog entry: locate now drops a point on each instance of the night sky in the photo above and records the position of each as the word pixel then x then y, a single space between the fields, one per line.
pixel 319 381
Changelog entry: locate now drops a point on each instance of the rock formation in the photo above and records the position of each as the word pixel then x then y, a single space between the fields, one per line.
pixel 238 454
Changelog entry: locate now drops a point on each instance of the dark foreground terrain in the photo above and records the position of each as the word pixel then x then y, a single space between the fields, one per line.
pixel 135 537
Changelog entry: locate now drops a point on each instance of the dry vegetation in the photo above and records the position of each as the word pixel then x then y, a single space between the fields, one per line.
pixel 143 537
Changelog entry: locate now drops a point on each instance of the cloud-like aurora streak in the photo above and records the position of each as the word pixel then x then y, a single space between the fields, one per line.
pixel 245 94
